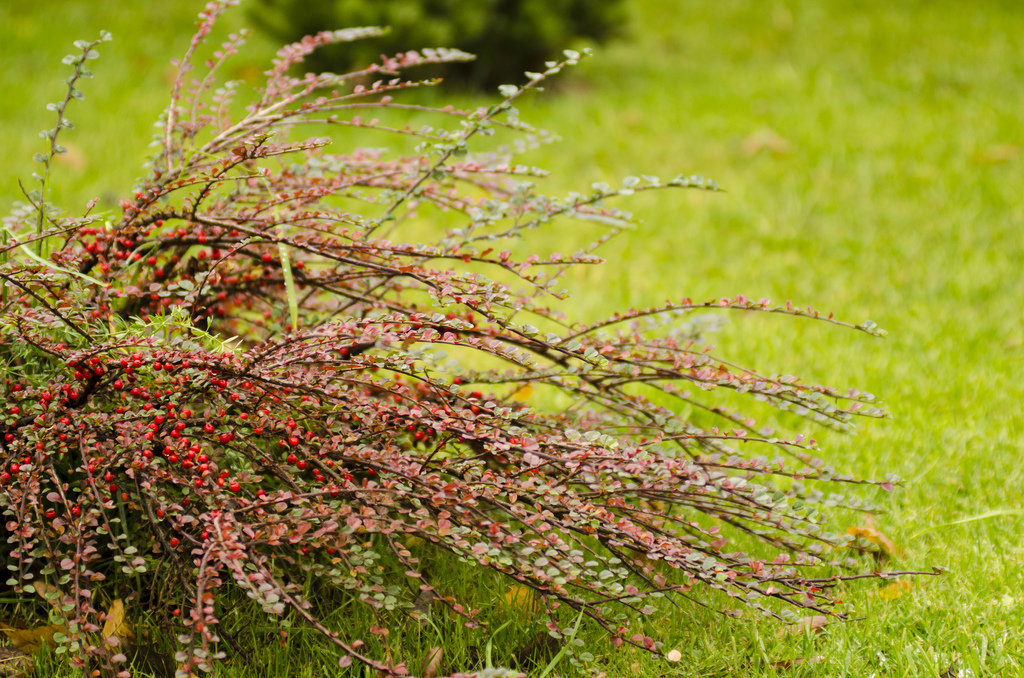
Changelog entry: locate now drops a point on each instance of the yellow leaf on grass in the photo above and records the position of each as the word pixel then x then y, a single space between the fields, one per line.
pixel 872 534
pixel 895 590
pixel 524 599
pixel 116 626
pixel 523 393
pixel 887 546
pixel 30 640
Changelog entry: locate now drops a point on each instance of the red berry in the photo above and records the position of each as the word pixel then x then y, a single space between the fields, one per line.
pixel 235 487
pixel 174 542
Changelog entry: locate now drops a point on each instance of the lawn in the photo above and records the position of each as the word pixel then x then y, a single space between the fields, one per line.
pixel 871 156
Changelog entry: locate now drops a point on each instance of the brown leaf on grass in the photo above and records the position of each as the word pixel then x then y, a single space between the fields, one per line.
pixel 432 664
pixel 421 606
pixel 765 140
pixel 50 594
pixel 30 640
pixel 116 626
pixel 894 590
pixel 15 664
pixel 813 624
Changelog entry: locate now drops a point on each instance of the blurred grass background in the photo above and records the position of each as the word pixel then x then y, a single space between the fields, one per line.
pixel 871 154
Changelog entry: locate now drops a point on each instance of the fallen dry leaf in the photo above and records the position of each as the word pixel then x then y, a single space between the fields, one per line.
pixel 421 606
pixel 116 626
pixel 15 664
pixel 872 534
pixel 73 157
pixel 523 393
pixel 813 624
pixel 432 664
pixel 50 594
pixel 895 590
pixel 524 599
pixel 765 140
pixel 996 154
pixel 30 640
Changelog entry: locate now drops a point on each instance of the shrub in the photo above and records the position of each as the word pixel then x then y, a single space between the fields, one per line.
pixel 237 385
pixel 507 38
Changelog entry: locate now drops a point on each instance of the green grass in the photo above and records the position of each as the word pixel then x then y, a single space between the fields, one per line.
pixel 898 199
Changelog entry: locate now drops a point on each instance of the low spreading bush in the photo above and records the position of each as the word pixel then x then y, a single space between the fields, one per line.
pixel 507 38
pixel 239 384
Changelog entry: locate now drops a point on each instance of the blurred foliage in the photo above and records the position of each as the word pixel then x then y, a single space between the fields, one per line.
pixel 507 36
